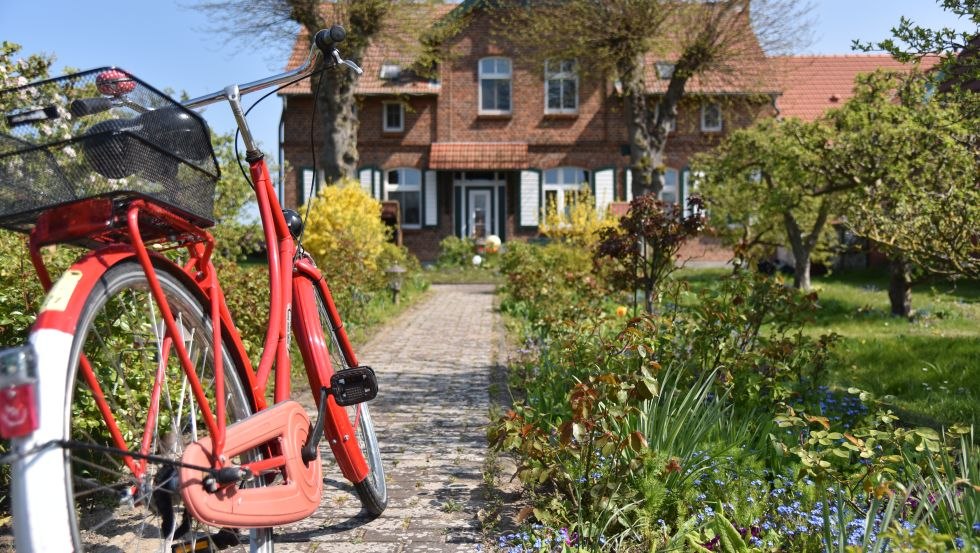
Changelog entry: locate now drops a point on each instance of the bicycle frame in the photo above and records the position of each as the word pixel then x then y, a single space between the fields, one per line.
pixel 294 284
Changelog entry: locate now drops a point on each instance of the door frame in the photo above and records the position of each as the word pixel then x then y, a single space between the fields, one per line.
pixel 461 202
pixel 468 211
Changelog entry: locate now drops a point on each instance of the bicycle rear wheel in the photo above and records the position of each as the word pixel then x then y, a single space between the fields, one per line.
pixel 373 490
pixel 105 507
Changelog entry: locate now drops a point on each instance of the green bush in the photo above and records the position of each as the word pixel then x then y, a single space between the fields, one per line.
pixel 456 252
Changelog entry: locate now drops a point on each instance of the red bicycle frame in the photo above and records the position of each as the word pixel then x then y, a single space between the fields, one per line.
pixel 291 277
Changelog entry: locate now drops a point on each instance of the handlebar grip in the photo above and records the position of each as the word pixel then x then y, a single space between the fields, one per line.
pixel 89 106
pixel 326 39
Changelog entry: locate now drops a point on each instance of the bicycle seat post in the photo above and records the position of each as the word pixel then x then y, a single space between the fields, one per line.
pixel 233 96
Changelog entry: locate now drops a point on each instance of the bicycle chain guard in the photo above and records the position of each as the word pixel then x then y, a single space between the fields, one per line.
pixel 286 425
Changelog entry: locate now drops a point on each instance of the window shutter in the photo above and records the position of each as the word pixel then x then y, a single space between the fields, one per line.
pixel 629 185
pixel 530 194
pixel 376 184
pixel 685 189
pixel 367 183
pixel 305 186
pixel 431 205
pixel 605 189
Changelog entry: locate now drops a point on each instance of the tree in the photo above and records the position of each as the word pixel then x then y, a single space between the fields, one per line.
pixel 911 42
pixel 901 152
pixel 617 39
pixel 764 187
pixel 272 21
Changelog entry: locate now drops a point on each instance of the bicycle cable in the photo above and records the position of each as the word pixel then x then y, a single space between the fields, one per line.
pixel 71 444
pixel 238 131
pixel 309 201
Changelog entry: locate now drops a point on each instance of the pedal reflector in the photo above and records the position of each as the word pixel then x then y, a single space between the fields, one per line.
pixel 353 386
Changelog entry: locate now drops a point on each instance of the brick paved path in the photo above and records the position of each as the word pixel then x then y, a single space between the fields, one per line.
pixel 433 365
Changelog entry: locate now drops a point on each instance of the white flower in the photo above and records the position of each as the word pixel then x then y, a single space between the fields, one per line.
pixel 477 260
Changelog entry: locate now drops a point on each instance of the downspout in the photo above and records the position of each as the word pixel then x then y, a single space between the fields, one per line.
pixel 281 185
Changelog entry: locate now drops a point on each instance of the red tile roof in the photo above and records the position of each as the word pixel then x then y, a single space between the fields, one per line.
pixel 478 155
pixel 747 72
pixel 812 85
pixel 396 50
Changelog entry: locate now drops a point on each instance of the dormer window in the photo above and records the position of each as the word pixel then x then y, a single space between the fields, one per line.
pixel 665 70
pixel 495 75
pixel 390 71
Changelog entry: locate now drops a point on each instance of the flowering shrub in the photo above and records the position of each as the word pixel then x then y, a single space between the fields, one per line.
pixel 579 224
pixel 346 236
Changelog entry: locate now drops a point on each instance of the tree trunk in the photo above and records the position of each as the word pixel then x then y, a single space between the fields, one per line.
pixel 801 252
pixel 645 158
pixel 338 155
pixel 646 125
pixel 900 288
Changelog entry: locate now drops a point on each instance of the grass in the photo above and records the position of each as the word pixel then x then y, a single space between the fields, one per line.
pixel 463 275
pixel 930 365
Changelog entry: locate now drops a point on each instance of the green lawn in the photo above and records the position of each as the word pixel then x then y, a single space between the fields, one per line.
pixel 463 275
pixel 930 365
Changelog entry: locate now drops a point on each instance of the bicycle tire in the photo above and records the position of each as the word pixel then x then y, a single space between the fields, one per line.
pixel 103 504
pixel 373 490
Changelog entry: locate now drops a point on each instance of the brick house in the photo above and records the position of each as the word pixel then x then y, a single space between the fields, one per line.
pixel 480 150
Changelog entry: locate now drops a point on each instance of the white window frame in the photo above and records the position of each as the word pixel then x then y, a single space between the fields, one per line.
pixel 560 185
pixel 495 76
pixel 403 186
pixel 401 117
pixel 560 75
pixel 721 120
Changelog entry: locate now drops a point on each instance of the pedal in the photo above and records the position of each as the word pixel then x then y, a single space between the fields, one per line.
pixel 353 386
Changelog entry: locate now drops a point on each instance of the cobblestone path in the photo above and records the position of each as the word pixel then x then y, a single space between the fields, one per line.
pixel 434 364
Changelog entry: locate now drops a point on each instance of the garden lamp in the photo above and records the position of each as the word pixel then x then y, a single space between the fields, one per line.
pixel 396 274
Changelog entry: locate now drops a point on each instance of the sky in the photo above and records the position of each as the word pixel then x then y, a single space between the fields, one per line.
pixel 168 44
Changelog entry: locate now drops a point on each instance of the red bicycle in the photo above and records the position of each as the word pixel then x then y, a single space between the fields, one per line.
pixel 137 420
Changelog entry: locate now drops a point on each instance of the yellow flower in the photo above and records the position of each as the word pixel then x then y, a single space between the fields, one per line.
pixel 621 311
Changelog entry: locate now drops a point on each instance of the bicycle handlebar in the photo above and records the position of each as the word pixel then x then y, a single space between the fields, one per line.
pixel 324 44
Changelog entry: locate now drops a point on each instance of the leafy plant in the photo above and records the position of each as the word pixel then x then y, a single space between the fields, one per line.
pixel 642 249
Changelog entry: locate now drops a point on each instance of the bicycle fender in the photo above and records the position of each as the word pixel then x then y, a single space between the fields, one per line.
pixel 298 495
pixel 63 305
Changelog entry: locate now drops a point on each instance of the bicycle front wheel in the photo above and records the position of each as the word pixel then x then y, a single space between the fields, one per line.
pixel 111 502
pixel 373 490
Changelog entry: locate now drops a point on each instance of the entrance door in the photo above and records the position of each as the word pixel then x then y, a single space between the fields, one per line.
pixel 480 213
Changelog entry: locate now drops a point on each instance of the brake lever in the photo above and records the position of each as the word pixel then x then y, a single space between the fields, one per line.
pixel 341 61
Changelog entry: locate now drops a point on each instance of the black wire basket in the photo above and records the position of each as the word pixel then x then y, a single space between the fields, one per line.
pixel 101 133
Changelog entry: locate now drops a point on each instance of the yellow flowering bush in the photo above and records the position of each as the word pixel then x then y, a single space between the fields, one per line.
pixel 346 236
pixel 579 223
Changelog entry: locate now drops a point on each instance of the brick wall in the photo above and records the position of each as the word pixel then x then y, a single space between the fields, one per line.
pixel 591 139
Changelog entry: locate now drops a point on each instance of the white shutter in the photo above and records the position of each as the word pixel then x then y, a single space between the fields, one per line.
pixel 431 205
pixel 685 190
pixel 376 176
pixel 530 194
pixel 305 186
pixel 367 182
pixel 605 189
pixel 629 185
